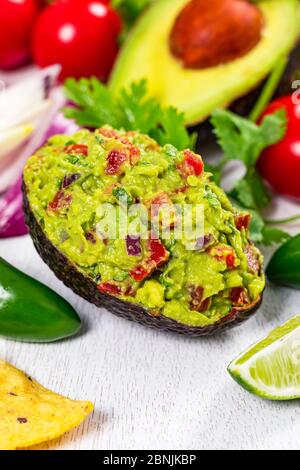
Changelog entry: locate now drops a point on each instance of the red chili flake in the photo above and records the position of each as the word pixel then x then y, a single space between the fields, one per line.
pixel 109 133
pixel 239 296
pixel 192 165
pixel 109 288
pixel 252 258
pixel 115 160
pixel 242 221
pixel 158 256
pixel 22 420
pixel 77 149
pixel 61 201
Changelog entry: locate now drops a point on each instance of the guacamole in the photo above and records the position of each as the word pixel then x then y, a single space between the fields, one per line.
pixel 126 212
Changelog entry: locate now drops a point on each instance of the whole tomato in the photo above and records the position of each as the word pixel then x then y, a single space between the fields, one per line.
pixel 16 22
pixel 280 163
pixel 80 35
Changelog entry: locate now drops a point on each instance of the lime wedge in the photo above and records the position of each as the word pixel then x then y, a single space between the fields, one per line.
pixel 271 368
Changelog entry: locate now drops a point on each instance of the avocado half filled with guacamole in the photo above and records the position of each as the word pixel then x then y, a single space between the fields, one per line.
pixel 142 230
pixel 198 55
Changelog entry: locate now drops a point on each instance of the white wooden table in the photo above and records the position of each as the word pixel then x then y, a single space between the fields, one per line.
pixel 154 390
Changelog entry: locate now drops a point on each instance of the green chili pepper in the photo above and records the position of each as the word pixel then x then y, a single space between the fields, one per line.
pixel 30 311
pixel 284 267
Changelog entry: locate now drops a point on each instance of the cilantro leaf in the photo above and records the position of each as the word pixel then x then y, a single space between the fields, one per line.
pixel 95 106
pixel 250 191
pixel 241 139
pixel 132 109
pixel 261 233
pixel 172 130
pixel 274 236
pixel 140 112
pixel 256 227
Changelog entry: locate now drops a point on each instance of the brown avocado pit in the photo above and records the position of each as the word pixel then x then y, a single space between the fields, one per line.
pixel 207 34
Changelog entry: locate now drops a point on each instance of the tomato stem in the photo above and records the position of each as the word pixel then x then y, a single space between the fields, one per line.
pixel 269 89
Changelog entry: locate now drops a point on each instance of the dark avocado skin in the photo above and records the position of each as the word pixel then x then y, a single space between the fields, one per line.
pixel 245 104
pixel 83 286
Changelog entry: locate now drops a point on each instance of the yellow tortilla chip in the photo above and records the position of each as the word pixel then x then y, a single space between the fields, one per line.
pixel 31 414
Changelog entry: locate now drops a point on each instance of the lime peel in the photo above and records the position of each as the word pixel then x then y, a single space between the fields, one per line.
pixel 271 368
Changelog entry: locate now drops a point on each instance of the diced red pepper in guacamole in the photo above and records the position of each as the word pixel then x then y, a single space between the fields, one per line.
pixel 157 257
pixel 192 164
pixel 61 201
pixel 77 149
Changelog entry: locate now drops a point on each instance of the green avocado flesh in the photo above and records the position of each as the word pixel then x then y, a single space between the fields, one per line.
pixel 146 54
pixel 193 280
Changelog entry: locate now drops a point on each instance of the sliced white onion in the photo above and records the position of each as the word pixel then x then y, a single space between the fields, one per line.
pixel 18 158
pixel 24 100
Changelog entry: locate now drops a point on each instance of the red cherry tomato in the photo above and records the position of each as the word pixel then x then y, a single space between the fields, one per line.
pixel 16 22
pixel 80 35
pixel 280 163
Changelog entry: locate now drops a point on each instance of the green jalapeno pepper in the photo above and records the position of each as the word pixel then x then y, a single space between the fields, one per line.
pixel 284 267
pixel 30 311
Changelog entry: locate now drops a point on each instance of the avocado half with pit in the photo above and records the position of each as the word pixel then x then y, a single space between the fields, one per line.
pixel 143 231
pixel 199 55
